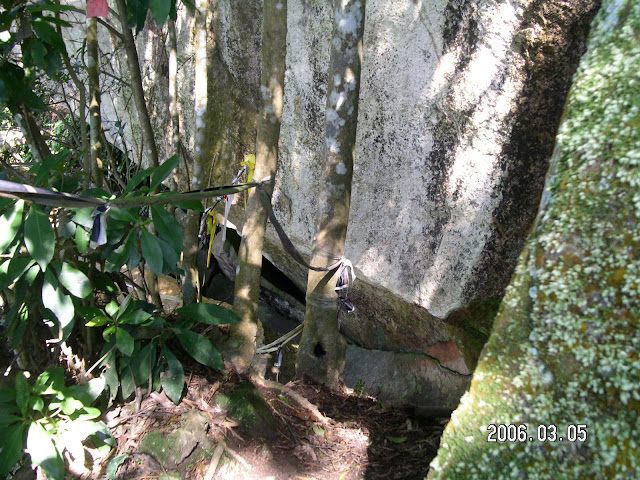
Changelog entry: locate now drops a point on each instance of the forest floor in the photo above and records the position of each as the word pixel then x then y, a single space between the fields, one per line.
pixel 305 432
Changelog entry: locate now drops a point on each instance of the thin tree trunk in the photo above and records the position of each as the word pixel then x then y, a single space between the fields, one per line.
pixel 191 283
pixel 322 348
pixel 95 119
pixel 247 287
pixel 82 107
pixel 174 112
pixel 31 131
pixel 148 138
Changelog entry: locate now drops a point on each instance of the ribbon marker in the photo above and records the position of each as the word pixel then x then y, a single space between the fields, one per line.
pixel 228 200
pixel 99 229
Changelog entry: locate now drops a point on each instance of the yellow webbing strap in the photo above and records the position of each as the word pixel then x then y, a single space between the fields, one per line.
pixel 212 223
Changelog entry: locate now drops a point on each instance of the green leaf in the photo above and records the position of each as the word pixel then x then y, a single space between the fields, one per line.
pixel 36 403
pixel 170 257
pixel 125 215
pixel 45 31
pixel 318 430
pixel 94 316
pixel 75 281
pixel 167 227
pixel 173 377
pixel 124 307
pixel 136 317
pixel 49 382
pixel 89 312
pixel 208 313
pixel 137 180
pixel 152 252
pixel 9 224
pixel 127 383
pixel 121 255
pixel 58 302
pixel 160 10
pixel 96 193
pixel 396 439
pixel 70 405
pixel 107 332
pixel 16 267
pixel 15 88
pixel 104 283
pixel 43 452
pixel 8 395
pixel 81 430
pixel 195 205
pixel 32 273
pixel 88 392
pixel 137 13
pixel 52 162
pixel 124 341
pixel 110 374
pixel 38 236
pixel 142 362
pixel 89 413
pixel 97 321
pixel 164 169
pixel 82 240
pixel 7 419
pixel 57 21
pixel 200 349
pixel 83 217
pixel 22 393
pixel 35 53
pixel 12 443
pixel 112 308
pixel 134 256
pixel 114 463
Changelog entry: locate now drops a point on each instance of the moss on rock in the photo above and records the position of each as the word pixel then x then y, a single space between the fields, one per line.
pixel 246 405
pixel 563 350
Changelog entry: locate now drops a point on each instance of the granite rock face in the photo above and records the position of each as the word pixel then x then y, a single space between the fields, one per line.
pixel 459 106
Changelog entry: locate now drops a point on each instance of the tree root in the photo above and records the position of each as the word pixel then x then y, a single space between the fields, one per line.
pixel 299 399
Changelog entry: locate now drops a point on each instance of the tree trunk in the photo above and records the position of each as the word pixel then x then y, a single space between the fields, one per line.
pixel 27 124
pixel 173 99
pixel 148 138
pixel 247 287
pixel 562 359
pixel 95 119
pixel 322 349
pixel 82 108
pixel 191 281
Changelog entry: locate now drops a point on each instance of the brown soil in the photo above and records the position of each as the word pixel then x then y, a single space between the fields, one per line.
pixel 320 435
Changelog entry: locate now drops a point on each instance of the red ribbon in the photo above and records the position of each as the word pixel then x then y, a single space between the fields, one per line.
pixel 97 8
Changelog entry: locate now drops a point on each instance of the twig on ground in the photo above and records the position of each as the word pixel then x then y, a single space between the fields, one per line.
pixel 236 456
pixel 299 399
pixel 215 460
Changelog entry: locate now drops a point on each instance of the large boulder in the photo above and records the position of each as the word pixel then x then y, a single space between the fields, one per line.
pixel 555 394
pixel 459 105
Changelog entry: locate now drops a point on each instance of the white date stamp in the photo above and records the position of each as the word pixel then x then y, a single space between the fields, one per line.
pixel 512 433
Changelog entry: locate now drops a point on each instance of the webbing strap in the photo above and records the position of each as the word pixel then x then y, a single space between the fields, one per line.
pixel 287 244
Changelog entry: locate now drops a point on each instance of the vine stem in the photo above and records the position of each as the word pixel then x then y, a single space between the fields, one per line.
pixel 101 360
